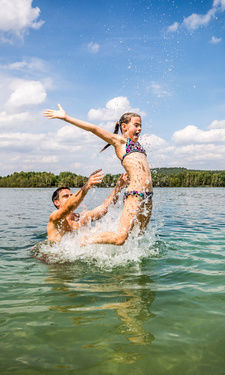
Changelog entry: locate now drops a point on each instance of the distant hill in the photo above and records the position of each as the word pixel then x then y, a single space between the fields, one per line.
pixel 182 177
pixel 162 177
pixel 169 171
pixel 175 170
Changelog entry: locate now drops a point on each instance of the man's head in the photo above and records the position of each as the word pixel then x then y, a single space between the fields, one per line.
pixel 60 196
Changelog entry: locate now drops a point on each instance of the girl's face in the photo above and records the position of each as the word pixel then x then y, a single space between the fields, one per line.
pixel 132 130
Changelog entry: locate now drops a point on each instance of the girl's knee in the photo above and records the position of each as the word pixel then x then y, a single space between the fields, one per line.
pixel 121 238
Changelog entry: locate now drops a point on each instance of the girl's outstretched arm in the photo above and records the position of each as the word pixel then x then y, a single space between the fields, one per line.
pixel 108 137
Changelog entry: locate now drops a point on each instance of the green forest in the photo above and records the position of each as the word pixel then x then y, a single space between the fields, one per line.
pixel 162 177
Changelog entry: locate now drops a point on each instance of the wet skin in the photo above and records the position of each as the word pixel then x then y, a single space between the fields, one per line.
pixel 57 229
pixel 136 211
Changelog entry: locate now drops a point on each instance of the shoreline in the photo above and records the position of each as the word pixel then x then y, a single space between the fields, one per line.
pixel 161 177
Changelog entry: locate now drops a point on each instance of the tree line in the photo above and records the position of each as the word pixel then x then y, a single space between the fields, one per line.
pixel 162 177
pixel 181 177
pixel 47 179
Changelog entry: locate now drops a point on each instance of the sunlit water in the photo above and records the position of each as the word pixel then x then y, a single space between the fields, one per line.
pixel 152 306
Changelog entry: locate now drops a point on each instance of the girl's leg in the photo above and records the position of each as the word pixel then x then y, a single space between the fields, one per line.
pixel 128 218
pixel 145 214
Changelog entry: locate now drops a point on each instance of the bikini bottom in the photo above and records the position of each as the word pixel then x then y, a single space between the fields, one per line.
pixel 147 195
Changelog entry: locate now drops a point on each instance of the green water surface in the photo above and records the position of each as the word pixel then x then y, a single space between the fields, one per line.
pixel 161 314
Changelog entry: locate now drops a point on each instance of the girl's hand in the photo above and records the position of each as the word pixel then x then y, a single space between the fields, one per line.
pixel 50 113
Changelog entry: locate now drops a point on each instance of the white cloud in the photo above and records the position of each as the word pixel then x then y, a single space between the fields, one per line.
pixel 69 133
pixel 215 40
pixel 93 47
pixel 73 136
pixel 113 110
pixel 56 153
pixel 22 142
pixel 217 124
pixel 194 21
pixel 24 150
pixel 33 64
pixel 200 153
pixel 219 4
pixel 192 134
pixel 186 148
pixel 18 103
pixel 16 66
pixel 152 142
pixel 196 156
pixel 6 118
pixel 174 27
pixel 47 159
pixel 69 148
pixel 26 93
pixel 189 147
pixel 37 142
pixel 18 16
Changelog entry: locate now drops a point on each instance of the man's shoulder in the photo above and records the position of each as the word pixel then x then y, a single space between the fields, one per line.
pixel 52 216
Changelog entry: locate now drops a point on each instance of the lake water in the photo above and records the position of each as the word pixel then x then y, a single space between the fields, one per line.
pixel 153 306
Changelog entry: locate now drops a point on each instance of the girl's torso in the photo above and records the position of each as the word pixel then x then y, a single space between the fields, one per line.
pixel 133 158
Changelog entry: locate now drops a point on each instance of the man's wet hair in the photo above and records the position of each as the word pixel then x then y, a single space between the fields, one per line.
pixel 55 195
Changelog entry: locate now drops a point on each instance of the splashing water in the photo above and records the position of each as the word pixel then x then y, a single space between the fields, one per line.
pixel 146 141
pixel 103 256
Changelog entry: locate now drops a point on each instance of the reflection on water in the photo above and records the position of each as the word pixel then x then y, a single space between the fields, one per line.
pixel 128 297
pixel 155 305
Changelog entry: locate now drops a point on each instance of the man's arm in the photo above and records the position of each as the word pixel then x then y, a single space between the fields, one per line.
pixel 102 210
pixel 74 201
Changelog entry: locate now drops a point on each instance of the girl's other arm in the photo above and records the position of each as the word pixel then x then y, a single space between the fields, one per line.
pixel 108 137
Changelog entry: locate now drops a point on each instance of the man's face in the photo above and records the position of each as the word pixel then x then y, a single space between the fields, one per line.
pixel 63 196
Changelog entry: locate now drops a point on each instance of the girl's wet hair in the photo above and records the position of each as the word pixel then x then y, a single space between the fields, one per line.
pixel 125 118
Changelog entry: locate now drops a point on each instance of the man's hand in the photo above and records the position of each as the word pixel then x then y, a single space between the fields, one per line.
pixel 95 178
pixel 60 114
pixel 122 181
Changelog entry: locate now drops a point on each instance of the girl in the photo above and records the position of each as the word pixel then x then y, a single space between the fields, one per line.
pixel 138 196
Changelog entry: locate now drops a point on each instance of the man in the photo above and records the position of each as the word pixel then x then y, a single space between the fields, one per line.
pixel 64 220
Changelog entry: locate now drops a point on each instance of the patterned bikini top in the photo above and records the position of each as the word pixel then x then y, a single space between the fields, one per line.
pixel 133 147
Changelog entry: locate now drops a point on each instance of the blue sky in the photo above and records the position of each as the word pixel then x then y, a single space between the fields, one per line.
pixel 99 59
